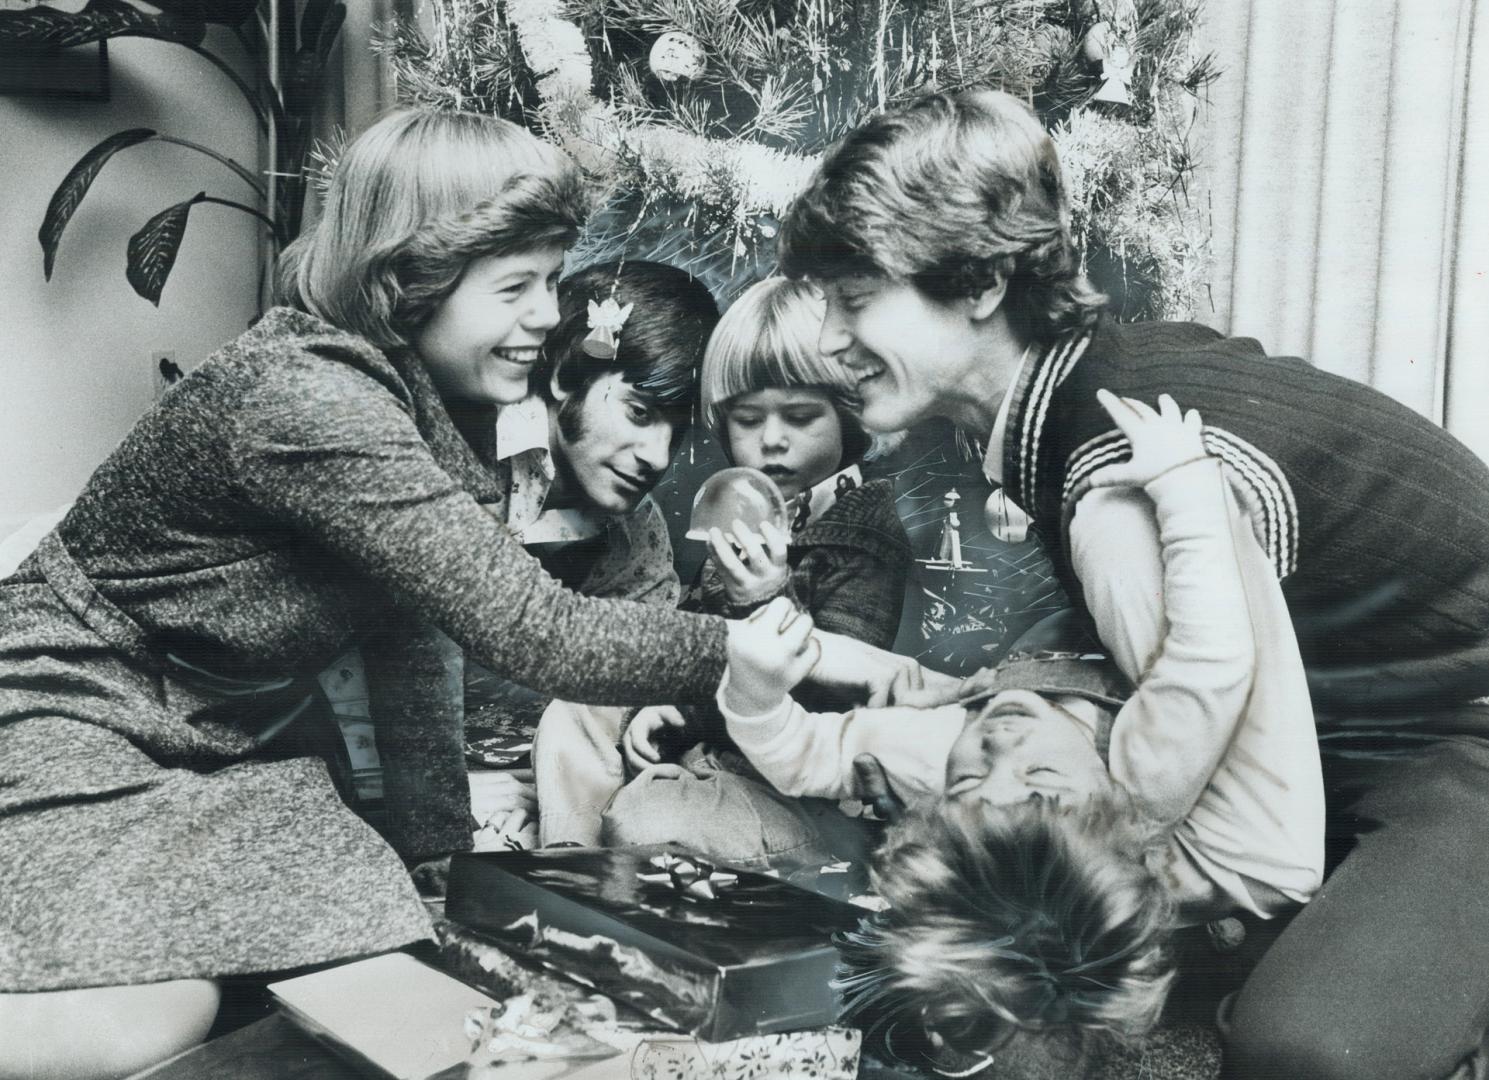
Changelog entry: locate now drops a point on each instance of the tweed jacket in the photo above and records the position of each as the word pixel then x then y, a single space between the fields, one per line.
pixel 298 492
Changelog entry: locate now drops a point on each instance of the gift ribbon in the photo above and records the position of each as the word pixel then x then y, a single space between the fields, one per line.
pixel 695 879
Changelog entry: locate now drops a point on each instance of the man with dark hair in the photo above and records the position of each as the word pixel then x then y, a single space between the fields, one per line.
pixel 583 454
pixel 618 393
pixel 940 233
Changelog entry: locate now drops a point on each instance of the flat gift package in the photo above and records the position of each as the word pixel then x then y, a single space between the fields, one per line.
pixel 717 953
pixel 390 1015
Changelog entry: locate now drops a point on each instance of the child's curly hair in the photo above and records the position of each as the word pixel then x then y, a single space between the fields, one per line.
pixel 1013 925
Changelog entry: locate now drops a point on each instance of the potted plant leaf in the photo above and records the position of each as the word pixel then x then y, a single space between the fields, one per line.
pixel 282 102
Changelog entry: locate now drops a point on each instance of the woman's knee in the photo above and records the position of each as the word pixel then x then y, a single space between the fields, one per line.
pixel 105 1031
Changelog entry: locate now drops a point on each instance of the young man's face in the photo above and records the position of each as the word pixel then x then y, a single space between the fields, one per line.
pixel 613 451
pixel 1020 746
pixel 482 341
pixel 909 354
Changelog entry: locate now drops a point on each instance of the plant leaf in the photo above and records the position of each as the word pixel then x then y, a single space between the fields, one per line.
pixel 75 185
pixel 310 22
pixel 326 38
pixel 152 250
pixel 227 12
pixel 102 19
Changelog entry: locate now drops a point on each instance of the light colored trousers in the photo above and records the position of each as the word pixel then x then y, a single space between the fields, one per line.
pixel 711 802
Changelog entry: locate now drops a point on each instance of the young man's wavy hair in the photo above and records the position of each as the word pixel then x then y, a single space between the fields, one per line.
pixel 1030 929
pixel 951 193
pixel 658 351
pixel 413 201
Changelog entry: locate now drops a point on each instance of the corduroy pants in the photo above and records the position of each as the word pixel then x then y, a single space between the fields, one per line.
pixel 1385 974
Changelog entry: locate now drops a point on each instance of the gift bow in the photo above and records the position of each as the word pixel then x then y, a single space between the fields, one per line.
pixel 605 322
pixel 696 879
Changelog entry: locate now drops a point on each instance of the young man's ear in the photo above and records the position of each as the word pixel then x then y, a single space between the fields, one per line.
pixel 983 304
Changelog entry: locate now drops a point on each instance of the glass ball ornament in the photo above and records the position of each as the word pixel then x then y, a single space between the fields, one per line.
pixel 677 54
pixel 1005 518
pixel 738 494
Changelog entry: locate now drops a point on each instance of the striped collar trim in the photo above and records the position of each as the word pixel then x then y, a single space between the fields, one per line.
pixel 1031 404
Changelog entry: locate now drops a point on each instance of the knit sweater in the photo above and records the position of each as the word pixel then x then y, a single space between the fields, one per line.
pixel 848 568
pixel 1375 519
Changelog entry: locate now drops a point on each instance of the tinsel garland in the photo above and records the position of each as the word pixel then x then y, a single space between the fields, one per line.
pixel 711 160
pixel 744 177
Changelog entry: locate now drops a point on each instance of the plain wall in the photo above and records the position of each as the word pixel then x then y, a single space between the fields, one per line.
pixel 75 351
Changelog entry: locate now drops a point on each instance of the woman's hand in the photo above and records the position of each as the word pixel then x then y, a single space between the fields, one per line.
pixel 876 676
pixel 505 805
pixel 769 653
pixel 1161 441
pixel 641 745
pixel 752 568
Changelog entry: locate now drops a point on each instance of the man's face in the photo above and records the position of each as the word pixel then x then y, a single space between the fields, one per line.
pixel 910 355
pixel 613 451
pixel 483 339
pixel 1022 745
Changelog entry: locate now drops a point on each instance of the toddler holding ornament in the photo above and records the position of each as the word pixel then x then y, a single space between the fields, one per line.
pixel 778 406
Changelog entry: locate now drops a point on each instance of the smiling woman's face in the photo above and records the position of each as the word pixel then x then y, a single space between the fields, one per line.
pixel 1022 745
pixel 483 340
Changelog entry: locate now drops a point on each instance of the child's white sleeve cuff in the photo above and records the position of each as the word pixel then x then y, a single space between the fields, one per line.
pixel 761 728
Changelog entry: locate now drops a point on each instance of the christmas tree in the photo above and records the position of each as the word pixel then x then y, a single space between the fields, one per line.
pixel 701 119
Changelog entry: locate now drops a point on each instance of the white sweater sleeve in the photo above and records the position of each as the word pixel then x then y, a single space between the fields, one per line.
pixel 802 753
pixel 1218 741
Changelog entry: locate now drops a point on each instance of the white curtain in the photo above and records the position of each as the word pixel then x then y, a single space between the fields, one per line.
pixel 1346 152
pixel 366 85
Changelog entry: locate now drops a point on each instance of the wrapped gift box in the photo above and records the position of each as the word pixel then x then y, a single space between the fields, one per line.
pixel 751 957
pixel 390 1015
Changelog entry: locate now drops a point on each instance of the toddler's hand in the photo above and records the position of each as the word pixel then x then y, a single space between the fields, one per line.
pixel 769 653
pixel 1161 441
pixel 642 743
pixel 504 804
pixel 936 689
pixel 871 786
pixel 753 569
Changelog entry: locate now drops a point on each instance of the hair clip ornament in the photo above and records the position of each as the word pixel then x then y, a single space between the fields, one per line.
pixel 605 323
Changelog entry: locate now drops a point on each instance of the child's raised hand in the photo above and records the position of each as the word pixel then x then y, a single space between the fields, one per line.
pixel 753 567
pixel 769 653
pixel 1161 441
pixel 641 745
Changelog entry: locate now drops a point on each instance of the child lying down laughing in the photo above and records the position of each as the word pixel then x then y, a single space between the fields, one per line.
pixel 1056 834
